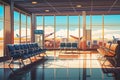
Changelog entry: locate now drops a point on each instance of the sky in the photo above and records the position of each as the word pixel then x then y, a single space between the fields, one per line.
pixel 111 24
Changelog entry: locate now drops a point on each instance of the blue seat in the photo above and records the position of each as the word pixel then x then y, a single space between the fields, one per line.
pixel 74 46
pixel 62 45
pixel 13 54
pixel 68 45
pixel 27 50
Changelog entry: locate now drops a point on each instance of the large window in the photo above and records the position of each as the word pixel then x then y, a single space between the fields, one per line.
pixel 22 28
pixel 49 31
pixel 70 29
pixel 1 30
pixel 16 27
pixel 111 28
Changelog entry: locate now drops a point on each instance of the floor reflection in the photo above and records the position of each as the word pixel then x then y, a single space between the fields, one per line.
pixel 86 67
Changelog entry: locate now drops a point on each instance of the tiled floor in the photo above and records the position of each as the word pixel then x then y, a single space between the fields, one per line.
pixel 85 67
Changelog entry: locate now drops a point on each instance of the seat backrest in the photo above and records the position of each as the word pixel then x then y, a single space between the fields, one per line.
pixel 74 45
pixel 21 46
pixel 108 46
pixel 68 45
pixel 28 46
pixel 62 44
pixel 17 46
pixel 25 46
pixel 94 42
pixel 113 47
pixel 11 50
pixel 10 47
pixel 36 44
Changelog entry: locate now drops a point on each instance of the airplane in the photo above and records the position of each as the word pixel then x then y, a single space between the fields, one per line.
pixel 115 39
pixel 47 35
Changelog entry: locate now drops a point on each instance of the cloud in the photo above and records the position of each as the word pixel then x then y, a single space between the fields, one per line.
pixel 1 33
pixel 107 33
pixel 49 29
pixel 63 32
pixel 39 27
pixel 95 34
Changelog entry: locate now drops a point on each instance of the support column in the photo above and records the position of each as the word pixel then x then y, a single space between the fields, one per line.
pixel 91 31
pixel 79 29
pixel 33 27
pixel 68 29
pixel 8 26
pixel 84 24
pixel 54 32
pixel 103 30
pixel 84 31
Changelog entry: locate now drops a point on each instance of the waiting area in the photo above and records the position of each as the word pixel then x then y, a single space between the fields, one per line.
pixel 59 39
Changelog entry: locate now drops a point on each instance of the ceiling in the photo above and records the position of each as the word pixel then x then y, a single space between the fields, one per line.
pixel 67 7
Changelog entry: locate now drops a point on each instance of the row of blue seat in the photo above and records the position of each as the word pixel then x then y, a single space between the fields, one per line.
pixel 68 45
pixel 24 51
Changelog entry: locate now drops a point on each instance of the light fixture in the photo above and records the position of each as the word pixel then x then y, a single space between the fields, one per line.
pixel 47 10
pixel 78 6
pixel 34 2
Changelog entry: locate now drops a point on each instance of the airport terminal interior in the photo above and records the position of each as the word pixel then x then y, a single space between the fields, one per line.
pixel 59 39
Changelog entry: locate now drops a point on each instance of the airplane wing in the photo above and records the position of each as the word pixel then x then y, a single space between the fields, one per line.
pixel 75 37
pixel 49 34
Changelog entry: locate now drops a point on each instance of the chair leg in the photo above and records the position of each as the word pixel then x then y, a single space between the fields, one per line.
pixel 22 62
pixel 115 62
pixel 104 62
pixel 10 63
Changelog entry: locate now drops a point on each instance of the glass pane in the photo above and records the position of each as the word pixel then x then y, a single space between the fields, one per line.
pixel 61 29
pixel 96 30
pixel 28 29
pixel 39 22
pixel 1 30
pixel 96 27
pixel 23 28
pixel 16 27
pixel 49 32
pixel 112 28
pixel 73 28
pixel 87 22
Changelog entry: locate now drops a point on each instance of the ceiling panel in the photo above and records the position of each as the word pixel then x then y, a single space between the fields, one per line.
pixel 69 6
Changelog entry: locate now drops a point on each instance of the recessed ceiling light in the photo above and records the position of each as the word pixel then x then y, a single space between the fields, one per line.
pixel 47 10
pixel 78 6
pixel 34 2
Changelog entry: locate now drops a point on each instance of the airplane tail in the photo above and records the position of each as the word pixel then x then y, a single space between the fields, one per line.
pixel 17 35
